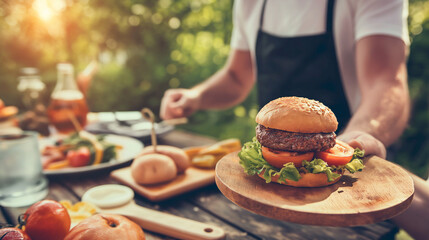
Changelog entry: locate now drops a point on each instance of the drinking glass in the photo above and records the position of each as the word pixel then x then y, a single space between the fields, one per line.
pixel 22 182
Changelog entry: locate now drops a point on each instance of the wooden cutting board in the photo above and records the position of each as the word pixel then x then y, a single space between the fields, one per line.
pixel 193 178
pixel 381 191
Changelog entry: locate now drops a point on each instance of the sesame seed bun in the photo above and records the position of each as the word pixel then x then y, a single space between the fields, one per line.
pixel 297 114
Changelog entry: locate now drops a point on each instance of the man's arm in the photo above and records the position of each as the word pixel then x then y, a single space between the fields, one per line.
pixel 229 86
pixel 226 88
pixel 383 115
pixel 384 108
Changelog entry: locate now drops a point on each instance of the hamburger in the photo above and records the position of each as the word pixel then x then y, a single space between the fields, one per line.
pixel 296 145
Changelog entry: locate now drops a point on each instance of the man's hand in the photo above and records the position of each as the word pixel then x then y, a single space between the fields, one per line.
pixel 364 141
pixel 226 88
pixel 178 103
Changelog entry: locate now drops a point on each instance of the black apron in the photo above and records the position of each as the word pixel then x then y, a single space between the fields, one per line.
pixel 301 66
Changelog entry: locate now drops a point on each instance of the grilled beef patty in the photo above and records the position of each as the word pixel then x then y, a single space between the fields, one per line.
pixel 294 142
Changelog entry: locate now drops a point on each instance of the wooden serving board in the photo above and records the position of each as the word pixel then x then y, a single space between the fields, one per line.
pixel 381 191
pixel 193 178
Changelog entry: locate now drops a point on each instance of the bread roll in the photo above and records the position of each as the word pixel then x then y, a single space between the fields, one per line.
pixel 153 168
pixel 178 155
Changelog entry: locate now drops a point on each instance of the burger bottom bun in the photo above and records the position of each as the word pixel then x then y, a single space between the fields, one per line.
pixel 306 180
pixel 178 155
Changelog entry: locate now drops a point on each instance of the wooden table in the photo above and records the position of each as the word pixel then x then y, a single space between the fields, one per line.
pixel 209 205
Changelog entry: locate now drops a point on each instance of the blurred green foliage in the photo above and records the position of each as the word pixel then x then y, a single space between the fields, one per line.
pixel 413 147
pixel 145 47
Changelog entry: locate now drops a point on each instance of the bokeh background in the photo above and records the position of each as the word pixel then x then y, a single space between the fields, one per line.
pixel 144 47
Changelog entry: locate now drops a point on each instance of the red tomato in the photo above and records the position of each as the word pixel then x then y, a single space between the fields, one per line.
pixel 47 220
pixel 340 154
pixel 279 158
pixel 79 158
pixel 13 234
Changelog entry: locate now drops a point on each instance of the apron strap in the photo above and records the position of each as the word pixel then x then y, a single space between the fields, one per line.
pixel 330 16
pixel 261 19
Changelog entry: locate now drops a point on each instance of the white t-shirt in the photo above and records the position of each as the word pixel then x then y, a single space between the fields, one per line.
pixel 353 20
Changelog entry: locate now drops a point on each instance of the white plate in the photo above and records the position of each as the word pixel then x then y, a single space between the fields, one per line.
pixel 131 147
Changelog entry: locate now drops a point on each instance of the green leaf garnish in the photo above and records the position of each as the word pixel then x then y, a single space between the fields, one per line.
pixel 253 162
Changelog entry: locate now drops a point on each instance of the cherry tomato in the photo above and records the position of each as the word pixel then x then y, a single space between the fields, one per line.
pixel 13 234
pixel 340 154
pixel 79 158
pixel 279 158
pixel 47 220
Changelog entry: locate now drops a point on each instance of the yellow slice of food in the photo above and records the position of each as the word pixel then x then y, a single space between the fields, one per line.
pixel 98 148
pixel 84 207
pixel 193 151
pixel 66 203
pixel 204 161
pixel 79 211
pixel 231 145
pixel 207 157
pixel 213 150
pixel 58 165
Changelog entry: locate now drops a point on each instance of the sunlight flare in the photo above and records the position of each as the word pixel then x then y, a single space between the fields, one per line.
pixel 47 9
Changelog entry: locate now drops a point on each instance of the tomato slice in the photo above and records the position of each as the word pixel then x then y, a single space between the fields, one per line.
pixel 278 158
pixel 340 154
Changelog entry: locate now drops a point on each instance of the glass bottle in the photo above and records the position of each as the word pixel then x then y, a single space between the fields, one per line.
pixel 68 108
pixel 31 87
pixel 32 91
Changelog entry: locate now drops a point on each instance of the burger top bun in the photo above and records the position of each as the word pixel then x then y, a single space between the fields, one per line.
pixel 296 114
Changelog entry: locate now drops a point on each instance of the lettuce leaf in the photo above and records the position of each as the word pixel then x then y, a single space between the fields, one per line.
pixel 288 171
pixel 252 161
pixel 320 166
pixel 251 158
pixel 358 154
pixel 356 164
